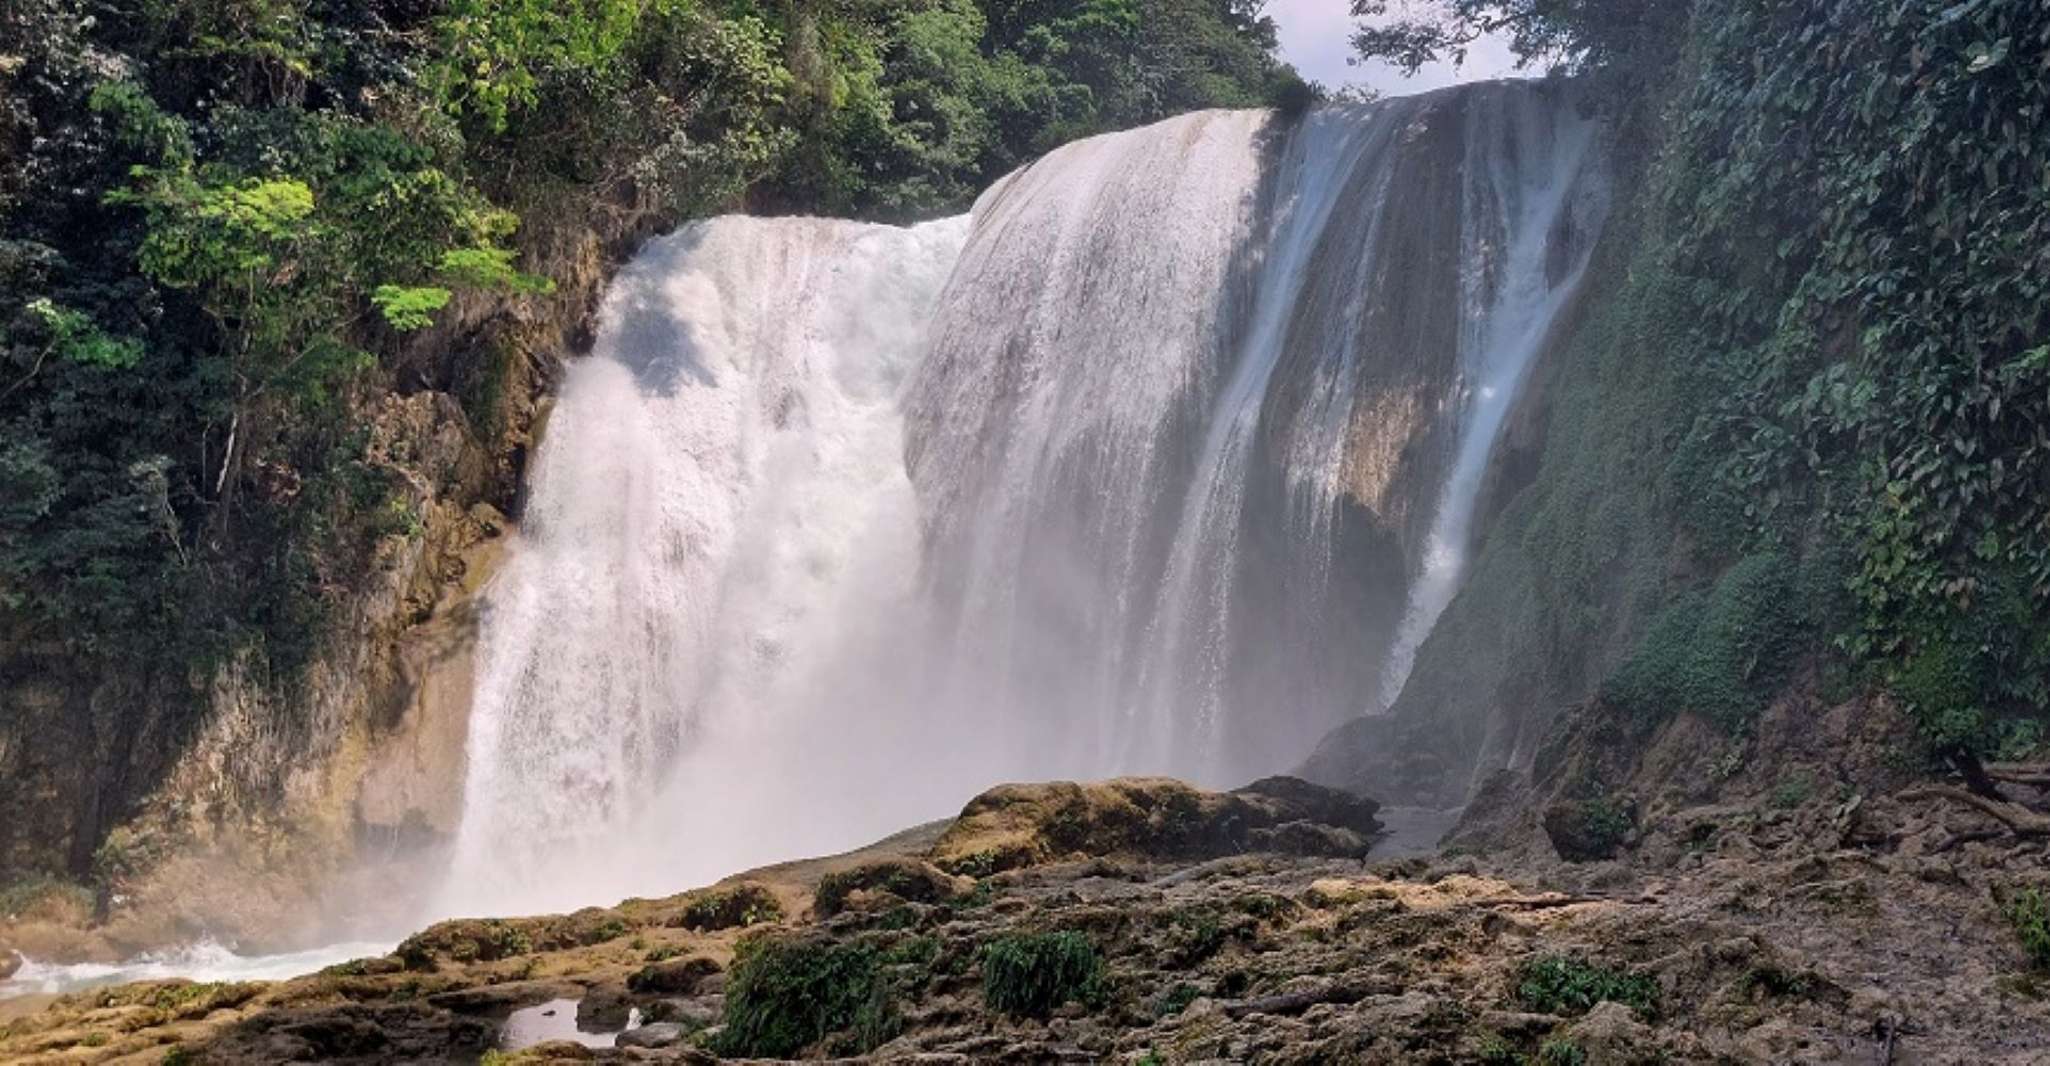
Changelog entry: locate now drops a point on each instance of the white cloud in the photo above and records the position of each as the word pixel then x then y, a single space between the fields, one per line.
pixel 1316 36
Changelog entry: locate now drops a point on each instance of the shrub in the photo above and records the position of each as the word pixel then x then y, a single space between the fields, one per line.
pixel 738 907
pixel 2029 912
pixel 1560 1051
pixel 1563 984
pixel 785 995
pixel 1030 974
pixel 1175 1000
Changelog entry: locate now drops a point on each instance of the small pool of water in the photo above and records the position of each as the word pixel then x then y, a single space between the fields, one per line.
pixel 204 961
pixel 556 1020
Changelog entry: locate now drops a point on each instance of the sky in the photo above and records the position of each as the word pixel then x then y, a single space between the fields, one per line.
pixel 1316 36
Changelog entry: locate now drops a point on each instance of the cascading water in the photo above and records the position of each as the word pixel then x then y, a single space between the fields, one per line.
pixel 1170 476
pixel 721 479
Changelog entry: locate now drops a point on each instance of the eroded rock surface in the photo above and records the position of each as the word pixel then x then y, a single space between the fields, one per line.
pixel 1775 937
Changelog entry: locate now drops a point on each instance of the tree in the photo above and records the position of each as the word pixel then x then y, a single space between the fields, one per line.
pixel 1573 35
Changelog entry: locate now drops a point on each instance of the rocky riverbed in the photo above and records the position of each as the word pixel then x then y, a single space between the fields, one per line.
pixel 1144 921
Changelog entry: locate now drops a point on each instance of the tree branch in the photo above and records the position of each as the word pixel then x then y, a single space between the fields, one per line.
pixel 2019 820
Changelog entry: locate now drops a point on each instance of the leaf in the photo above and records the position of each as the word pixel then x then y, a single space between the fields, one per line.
pixel 408 308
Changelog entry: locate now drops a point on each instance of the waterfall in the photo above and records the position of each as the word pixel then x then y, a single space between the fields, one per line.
pixel 720 480
pixel 1164 460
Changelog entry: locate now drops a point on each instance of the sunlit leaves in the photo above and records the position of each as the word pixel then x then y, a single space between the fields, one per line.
pixel 75 336
pixel 407 308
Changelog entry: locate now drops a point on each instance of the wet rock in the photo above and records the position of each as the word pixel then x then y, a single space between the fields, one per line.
pixel 500 997
pixel 10 963
pixel 697 1013
pixel 653 1035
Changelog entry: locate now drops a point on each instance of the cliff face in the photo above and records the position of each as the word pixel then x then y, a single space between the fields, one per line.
pixel 227 826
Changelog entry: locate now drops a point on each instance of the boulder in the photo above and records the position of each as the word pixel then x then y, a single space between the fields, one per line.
pixel 674 977
pixel 909 880
pixel 652 1035
pixel 1588 830
pixel 1152 819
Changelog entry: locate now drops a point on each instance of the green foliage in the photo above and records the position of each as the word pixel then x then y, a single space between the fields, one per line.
pixel 1029 974
pixel 1722 653
pixel 1175 1000
pixel 1578 35
pixel 784 995
pixel 1606 821
pixel 1564 984
pixel 74 336
pixel 1793 790
pixel 1887 377
pixel 31 895
pixel 1559 1051
pixel 2029 912
pixel 495 54
pixel 409 308
pixel 740 907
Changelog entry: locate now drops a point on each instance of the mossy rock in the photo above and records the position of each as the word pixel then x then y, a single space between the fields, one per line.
pixel 734 907
pixel 674 977
pixel 1588 830
pixel 492 939
pixel 909 880
pixel 1015 826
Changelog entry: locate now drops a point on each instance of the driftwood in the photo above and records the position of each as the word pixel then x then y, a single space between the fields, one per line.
pixel 2020 773
pixel 2019 820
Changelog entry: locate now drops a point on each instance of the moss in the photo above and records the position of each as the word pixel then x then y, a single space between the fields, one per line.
pixel 1265 906
pixel 40 896
pixel 1722 653
pixel 1564 984
pixel 976 864
pixel 1793 790
pixel 1029 974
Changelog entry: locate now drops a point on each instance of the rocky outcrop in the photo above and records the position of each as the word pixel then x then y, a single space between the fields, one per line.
pixel 1780 936
pixel 1015 826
